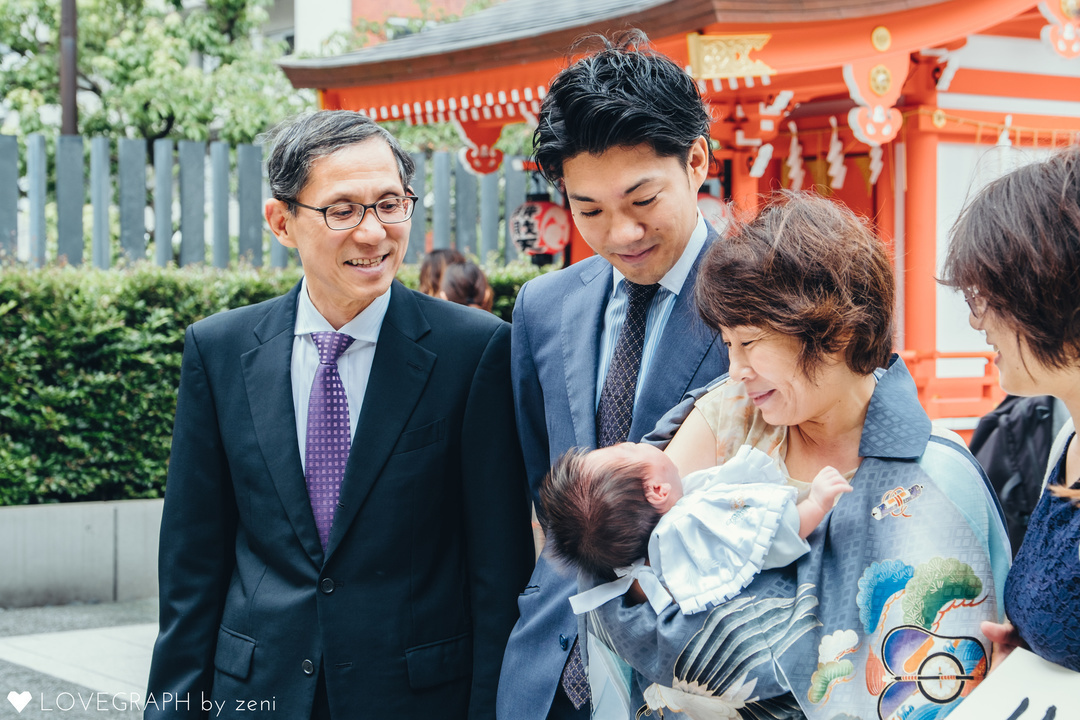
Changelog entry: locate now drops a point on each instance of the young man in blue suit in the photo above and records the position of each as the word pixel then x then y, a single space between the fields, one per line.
pixel 602 349
pixel 346 523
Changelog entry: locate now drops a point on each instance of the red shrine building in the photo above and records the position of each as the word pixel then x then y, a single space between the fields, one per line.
pixel 900 109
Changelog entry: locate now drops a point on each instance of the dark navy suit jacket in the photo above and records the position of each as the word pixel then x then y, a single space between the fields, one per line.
pixel 556 349
pixel 407 612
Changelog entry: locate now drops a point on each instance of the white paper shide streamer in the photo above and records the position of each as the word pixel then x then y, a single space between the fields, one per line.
pixel 794 159
pixel 835 158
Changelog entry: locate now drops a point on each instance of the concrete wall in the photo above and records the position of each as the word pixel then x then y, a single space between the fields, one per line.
pixel 78 552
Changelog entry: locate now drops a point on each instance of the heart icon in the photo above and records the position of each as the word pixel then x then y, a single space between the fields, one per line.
pixel 19 700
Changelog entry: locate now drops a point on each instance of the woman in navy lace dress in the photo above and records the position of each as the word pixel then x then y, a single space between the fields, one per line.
pixel 1015 253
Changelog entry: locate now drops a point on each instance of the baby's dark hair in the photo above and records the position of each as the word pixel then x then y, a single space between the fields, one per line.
pixel 597 519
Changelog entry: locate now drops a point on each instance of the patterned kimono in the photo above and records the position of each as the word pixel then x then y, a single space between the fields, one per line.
pixel 880 620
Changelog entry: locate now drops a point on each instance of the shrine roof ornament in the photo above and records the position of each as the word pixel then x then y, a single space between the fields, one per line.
pixel 520 32
pixel 758 65
pixel 1063 31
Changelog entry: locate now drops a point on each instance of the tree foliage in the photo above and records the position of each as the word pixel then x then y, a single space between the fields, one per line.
pixel 146 69
pixel 92 363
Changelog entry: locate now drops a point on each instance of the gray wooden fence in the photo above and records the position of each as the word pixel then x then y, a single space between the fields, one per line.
pixel 205 200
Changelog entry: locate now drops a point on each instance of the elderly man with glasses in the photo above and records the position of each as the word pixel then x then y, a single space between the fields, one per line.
pixel 346 527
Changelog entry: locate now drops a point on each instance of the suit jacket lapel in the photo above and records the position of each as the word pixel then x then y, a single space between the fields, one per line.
pixel 268 383
pixel 399 374
pixel 683 346
pixel 582 322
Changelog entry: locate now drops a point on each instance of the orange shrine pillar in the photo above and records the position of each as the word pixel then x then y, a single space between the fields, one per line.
pixel 744 187
pixel 920 242
pixel 920 223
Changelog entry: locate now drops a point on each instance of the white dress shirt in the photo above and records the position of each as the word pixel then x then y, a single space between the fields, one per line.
pixel 657 315
pixel 354 365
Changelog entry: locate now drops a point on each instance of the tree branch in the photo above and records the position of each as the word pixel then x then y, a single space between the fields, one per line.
pixel 90 84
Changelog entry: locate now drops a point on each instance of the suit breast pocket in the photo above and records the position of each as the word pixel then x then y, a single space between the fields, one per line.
pixel 420 437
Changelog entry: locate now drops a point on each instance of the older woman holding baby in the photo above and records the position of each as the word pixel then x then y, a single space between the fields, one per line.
pixel 881 617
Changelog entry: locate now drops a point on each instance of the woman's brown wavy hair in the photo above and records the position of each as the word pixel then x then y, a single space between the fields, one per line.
pixel 809 268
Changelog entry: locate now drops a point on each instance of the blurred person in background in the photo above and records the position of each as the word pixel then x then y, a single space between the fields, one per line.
pixel 432 267
pixel 464 283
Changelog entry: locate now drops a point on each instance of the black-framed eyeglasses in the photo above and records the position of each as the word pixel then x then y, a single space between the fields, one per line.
pixel 976 303
pixel 346 216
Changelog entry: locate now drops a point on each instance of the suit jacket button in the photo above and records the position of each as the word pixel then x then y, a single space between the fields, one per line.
pixel 563 641
pixel 327 586
pixel 308 667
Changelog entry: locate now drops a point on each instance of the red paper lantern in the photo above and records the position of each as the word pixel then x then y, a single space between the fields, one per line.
pixel 539 226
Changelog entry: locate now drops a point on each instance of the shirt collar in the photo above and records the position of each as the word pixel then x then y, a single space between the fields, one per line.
pixel 364 327
pixel 675 278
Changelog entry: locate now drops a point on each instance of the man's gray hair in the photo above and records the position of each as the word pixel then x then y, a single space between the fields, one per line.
pixel 300 140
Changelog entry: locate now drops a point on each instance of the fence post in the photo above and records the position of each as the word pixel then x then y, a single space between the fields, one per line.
pixel 249 198
pixel 489 216
pixel 192 202
pixel 465 210
pixel 100 195
pixel 219 187
pixel 70 198
pixel 515 196
pixel 441 220
pixel 418 232
pixel 163 167
pixel 132 182
pixel 35 169
pixel 9 198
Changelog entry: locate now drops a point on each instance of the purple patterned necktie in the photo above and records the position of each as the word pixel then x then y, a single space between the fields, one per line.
pixel 328 436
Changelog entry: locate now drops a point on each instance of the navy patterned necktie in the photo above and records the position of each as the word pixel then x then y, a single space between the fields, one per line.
pixel 328 437
pixel 613 417
pixel 616 409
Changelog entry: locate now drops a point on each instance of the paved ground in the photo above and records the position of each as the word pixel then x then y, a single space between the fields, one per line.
pixel 76 661
pixel 81 661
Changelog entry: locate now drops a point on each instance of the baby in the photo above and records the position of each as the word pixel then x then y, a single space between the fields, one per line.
pixel 705 535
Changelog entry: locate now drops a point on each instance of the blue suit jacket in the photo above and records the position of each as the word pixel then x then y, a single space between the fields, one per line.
pixel 555 358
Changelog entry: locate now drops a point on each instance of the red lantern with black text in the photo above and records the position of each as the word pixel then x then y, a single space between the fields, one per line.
pixel 540 227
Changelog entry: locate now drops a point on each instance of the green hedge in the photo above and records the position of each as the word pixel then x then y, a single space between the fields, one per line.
pixel 90 365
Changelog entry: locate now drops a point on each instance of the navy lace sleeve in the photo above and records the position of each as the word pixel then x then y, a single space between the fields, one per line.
pixel 1044 582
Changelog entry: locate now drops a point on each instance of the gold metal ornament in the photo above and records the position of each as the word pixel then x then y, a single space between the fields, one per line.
pixel 726 56
pixel 938 118
pixel 881 38
pixel 880 79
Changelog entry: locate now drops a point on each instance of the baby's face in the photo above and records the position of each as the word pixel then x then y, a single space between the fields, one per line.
pixel 659 469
